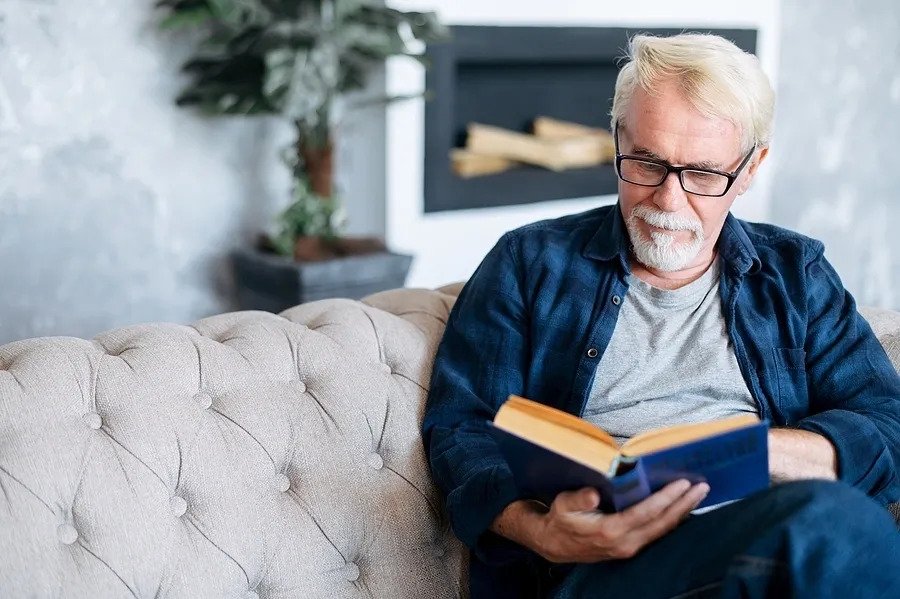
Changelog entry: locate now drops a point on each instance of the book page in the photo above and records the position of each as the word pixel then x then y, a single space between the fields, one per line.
pixel 561 418
pixel 577 444
pixel 671 436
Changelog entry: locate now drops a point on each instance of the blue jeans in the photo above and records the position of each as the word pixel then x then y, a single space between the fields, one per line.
pixel 802 539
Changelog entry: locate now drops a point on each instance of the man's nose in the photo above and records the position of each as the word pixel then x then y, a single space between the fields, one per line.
pixel 670 196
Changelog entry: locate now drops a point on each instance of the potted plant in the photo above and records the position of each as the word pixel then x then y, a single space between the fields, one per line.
pixel 295 58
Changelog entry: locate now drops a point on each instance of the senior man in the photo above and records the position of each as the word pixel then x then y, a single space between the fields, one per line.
pixel 665 309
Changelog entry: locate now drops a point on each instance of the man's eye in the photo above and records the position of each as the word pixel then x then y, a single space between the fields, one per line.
pixel 649 167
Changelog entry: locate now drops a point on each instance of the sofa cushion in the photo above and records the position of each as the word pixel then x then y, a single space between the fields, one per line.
pixel 249 455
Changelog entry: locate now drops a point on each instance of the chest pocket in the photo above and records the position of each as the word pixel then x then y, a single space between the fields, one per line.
pixel 790 373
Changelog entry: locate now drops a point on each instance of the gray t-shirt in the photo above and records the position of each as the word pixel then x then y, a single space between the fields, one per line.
pixel 670 361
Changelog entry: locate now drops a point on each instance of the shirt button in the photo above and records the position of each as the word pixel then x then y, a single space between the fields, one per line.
pixel 592 352
pixel 616 300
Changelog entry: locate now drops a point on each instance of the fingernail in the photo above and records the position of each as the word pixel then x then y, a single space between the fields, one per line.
pixel 683 486
pixel 702 490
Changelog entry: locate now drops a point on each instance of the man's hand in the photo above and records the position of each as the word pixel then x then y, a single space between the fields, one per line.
pixel 574 531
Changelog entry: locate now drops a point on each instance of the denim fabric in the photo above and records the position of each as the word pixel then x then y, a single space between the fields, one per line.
pixel 777 543
pixel 549 292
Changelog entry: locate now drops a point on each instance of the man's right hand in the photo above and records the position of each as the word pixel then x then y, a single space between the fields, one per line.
pixel 573 531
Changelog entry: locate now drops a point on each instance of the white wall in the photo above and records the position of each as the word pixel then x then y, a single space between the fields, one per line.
pixel 449 245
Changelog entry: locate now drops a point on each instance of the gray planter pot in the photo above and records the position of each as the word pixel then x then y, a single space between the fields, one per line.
pixel 274 283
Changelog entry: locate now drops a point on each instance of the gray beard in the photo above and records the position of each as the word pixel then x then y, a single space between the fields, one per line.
pixel 661 251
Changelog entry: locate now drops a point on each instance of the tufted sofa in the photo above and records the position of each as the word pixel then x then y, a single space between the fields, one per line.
pixel 249 456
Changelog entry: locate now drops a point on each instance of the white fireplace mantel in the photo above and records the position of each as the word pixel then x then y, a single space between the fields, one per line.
pixel 448 246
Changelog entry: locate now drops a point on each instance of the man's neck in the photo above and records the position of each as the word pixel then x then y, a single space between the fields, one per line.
pixel 671 280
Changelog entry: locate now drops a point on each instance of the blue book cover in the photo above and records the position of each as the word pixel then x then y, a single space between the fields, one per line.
pixel 734 464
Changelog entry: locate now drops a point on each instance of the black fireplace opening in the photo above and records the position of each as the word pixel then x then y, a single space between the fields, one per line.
pixel 508 76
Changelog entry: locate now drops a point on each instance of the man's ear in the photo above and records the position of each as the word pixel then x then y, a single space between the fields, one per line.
pixel 751 170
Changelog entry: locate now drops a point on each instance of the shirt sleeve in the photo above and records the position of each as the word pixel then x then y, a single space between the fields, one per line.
pixel 482 358
pixel 854 389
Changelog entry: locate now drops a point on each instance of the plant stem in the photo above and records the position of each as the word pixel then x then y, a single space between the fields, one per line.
pixel 315 150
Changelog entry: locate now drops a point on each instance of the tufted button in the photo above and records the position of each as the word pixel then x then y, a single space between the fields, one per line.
pixel 375 461
pixel 350 572
pixel 616 300
pixel 66 533
pixel 386 368
pixel 592 352
pixel 204 400
pixel 283 483
pixel 178 506
pixel 93 420
pixel 300 386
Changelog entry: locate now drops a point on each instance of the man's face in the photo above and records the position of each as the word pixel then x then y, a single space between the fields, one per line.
pixel 683 228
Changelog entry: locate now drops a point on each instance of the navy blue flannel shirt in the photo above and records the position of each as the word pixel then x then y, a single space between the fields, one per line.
pixel 550 292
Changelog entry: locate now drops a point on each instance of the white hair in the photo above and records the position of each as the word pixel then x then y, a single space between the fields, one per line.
pixel 718 79
pixel 661 250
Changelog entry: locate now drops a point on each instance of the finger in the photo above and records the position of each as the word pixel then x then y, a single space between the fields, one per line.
pixel 647 510
pixel 581 500
pixel 672 515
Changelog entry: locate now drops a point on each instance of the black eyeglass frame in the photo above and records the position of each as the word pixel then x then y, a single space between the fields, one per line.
pixel 732 176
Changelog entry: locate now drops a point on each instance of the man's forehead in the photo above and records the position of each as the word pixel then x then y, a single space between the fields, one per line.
pixel 703 145
pixel 666 121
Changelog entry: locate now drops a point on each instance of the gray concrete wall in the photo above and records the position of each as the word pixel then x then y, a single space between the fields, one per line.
pixel 837 176
pixel 116 206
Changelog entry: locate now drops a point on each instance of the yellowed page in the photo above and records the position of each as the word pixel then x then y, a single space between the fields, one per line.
pixel 671 436
pixel 562 418
pixel 571 443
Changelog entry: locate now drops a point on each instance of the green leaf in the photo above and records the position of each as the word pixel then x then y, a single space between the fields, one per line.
pixel 345 8
pixel 426 26
pixel 309 214
pixel 240 13
pixel 385 100
pixel 187 18
pixel 378 42
pixel 293 35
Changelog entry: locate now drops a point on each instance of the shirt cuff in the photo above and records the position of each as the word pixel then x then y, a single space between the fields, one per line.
pixel 863 458
pixel 473 508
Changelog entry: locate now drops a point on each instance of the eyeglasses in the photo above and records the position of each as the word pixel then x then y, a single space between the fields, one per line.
pixel 651 173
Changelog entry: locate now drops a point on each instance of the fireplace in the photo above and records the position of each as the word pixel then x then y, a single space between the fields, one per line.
pixel 508 75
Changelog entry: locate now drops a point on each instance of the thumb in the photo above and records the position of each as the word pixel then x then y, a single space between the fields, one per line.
pixel 581 500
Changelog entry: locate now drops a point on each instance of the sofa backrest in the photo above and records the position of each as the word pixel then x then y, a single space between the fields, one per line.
pixel 248 455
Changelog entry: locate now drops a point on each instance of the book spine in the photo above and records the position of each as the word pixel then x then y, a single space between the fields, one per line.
pixel 630 487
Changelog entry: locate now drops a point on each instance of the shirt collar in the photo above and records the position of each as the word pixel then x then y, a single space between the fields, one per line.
pixel 611 242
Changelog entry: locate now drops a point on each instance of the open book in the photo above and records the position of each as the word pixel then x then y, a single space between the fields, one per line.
pixel 550 451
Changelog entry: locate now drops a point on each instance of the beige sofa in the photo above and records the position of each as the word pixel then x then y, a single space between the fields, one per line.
pixel 249 455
